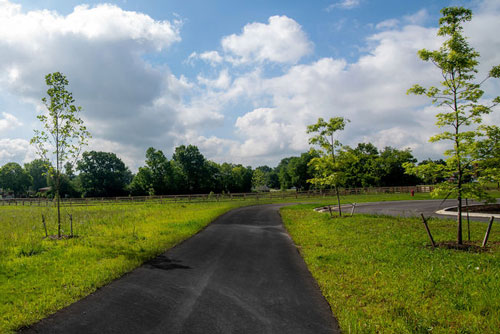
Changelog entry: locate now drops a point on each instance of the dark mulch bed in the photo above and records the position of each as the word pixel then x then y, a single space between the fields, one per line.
pixel 486 208
pixel 466 246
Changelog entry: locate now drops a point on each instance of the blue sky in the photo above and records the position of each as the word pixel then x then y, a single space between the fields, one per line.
pixel 239 79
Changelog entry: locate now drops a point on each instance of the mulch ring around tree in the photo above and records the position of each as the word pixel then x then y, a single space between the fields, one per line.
pixel 467 246
pixel 62 237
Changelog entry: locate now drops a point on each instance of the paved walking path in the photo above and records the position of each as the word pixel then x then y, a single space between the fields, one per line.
pixel 242 274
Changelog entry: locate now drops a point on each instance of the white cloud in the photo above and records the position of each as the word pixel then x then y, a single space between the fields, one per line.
pixel 18 150
pixel 8 122
pixel 126 101
pixel 211 57
pixel 221 82
pixel 388 24
pixel 103 23
pixel 344 4
pixel 129 104
pixel 371 92
pixel 419 17
pixel 282 40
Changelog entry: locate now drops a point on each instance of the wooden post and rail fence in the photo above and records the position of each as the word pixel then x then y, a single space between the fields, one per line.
pixel 211 197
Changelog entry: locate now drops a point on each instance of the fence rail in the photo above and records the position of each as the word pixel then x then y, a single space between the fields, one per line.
pixel 211 197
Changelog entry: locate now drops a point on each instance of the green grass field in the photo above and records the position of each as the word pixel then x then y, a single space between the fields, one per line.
pixel 39 276
pixel 380 276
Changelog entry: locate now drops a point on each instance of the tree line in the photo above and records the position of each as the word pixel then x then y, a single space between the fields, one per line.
pixel 103 174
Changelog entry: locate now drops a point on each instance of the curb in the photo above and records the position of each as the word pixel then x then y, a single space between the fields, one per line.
pixel 464 214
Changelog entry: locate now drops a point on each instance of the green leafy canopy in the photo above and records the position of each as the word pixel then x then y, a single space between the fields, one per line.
pixel 63 134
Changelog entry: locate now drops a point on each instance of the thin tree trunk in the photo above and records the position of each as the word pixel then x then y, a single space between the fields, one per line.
pixel 460 172
pixel 459 201
pixel 459 219
pixel 338 200
pixel 58 198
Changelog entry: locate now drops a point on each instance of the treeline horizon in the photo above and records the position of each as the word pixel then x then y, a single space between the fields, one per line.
pixel 103 174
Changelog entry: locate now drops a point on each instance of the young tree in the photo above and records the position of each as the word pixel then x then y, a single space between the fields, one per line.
pixel 327 165
pixel 459 97
pixel 63 134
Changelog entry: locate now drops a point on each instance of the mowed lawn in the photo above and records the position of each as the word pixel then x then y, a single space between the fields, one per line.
pixel 39 276
pixel 380 276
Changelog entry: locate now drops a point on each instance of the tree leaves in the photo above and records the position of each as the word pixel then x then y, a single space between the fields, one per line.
pixel 63 134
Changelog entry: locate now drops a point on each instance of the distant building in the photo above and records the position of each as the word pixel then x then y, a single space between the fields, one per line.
pixel 44 190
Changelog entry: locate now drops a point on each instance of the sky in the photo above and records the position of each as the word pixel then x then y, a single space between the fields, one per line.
pixel 239 79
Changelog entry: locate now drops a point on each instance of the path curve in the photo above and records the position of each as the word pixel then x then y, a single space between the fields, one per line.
pixel 242 274
pixel 412 208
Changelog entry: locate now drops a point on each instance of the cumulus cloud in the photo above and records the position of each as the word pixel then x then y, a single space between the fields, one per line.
pixel 9 122
pixel 221 82
pixel 126 101
pixel 239 111
pixel 282 40
pixel 371 92
pixel 17 150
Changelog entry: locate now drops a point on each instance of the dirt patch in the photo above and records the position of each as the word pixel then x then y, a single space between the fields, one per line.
pixel 466 246
pixel 62 237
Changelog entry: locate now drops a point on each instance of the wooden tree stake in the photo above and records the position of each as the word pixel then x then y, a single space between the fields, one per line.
pixel 71 223
pixel 44 226
pixel 353 208
pixel 428 231
pixel 468 219
pixel 488 230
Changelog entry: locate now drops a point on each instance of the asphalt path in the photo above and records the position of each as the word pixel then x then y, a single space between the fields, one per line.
pixel 412 208
pixel 242 274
